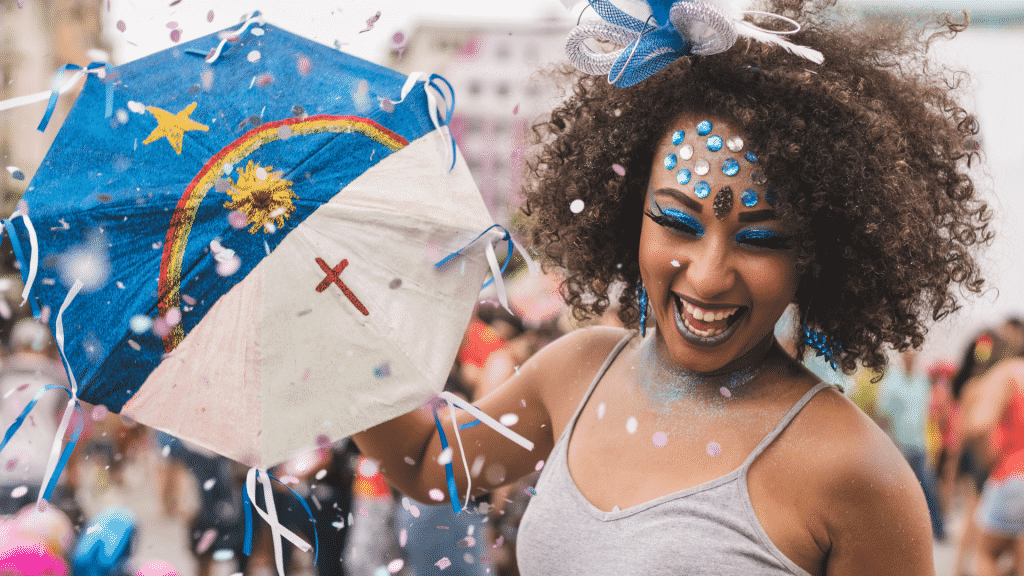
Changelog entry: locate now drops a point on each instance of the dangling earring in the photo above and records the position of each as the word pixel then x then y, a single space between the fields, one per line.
pixel 642 300
pixel 821 343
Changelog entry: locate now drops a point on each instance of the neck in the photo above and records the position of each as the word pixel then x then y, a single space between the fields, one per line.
pixel 663 381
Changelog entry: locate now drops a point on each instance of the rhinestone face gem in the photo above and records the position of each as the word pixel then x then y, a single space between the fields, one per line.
pixel 749 198
pixel 730 167
pixel 758 177
pixel 685 152
pixel 715 143
pixel 670 161
pixel 771 197
pixel 677 137
pixel 704 128
pixel 702 167
pixel 750 156
pixel 702 189
pixel 683 176
pixel 723 203
pixel 734 144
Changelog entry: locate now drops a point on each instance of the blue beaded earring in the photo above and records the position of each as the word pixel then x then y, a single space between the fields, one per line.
pixel 821 343
pixel 642 300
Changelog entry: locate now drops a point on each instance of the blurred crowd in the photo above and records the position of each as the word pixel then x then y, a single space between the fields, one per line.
pixel 959 423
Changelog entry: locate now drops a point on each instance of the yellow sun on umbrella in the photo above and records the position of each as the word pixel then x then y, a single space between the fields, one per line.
pixel 262 195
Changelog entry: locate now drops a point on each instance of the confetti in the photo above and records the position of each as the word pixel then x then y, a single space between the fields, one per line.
pixel 16 173
pixel 209 484
pixel 206 541
pixel 19 491
pixel 539 466
pixel 515 110
pixel 445 457
pixel 508 419
pixel 410 461
pixel 238 219
pixel 304 64
pixel 383 370
pixel 600 410
pixel 414 511
pixel 173 317
pixel 99 413
pixel 714 449
pixel 659 439
pixel 136 107
pixel 394 284
pixel 258 32
pixel 631 425
pixel 176 35
pixel 320 474
pixel 725 392
pixel 395 565
pixel 121 25
pixel 254 56
pixel 403 537
pixel 209 16
pixel 370 22
pixel 436 495
pixel 172 25
pixel 576 206
pixel 674 263
pixel 443 563
pixel 618 169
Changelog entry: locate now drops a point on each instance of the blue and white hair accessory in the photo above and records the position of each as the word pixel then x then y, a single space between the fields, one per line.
pixel 654 33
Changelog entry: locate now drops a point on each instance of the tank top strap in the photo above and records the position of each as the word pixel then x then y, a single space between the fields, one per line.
pixel 597 378
pixel 784 422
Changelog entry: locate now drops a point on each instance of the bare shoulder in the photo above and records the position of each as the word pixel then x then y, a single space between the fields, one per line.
pixel 861 500
pixel 562 371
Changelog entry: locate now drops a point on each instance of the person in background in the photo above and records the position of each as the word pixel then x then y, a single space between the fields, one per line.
pixel 903 398
pixel 994 418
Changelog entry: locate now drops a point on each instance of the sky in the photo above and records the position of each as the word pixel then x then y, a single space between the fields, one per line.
pixel 356 27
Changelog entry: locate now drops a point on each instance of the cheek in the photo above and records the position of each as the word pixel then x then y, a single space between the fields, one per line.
pixel 774 281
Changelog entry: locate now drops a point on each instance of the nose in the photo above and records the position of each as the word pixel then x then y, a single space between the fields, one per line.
pixel 709 270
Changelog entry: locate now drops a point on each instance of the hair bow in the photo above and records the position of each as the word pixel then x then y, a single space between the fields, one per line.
pixel 671 29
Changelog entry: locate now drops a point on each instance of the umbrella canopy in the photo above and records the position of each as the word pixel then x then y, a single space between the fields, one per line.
pixel 254 228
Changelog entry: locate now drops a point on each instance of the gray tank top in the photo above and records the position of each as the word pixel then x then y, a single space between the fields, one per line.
pixel 710 529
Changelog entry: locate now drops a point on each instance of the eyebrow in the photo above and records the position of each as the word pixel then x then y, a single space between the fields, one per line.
pixel 757 216
pixel 682 198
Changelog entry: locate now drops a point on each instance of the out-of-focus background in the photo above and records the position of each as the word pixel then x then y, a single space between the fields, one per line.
pixel 176 499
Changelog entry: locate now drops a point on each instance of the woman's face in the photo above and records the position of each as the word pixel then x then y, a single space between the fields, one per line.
pixel 717 262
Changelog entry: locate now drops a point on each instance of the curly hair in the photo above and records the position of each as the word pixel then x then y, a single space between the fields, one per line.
pixel 869 153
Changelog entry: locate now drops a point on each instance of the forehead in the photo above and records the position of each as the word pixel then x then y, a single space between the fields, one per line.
pixel 708 159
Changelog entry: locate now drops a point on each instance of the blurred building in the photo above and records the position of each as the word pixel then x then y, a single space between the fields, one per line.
pixel 496 70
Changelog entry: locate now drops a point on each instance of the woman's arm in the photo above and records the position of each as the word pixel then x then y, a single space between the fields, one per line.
pixel 986 398
pixel 408 447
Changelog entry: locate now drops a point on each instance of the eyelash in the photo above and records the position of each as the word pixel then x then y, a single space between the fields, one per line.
pixel 678 221
pixel 764 239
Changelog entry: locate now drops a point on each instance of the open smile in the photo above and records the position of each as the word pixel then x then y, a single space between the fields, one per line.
pixel 705 327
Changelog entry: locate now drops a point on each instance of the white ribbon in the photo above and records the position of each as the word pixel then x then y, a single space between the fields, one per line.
pixel 462 452
pixel 484 418
pixel 270 517
pixel 429 89
pixel 33 265
pixel 58 440
pixel 254 18
pixel 45 95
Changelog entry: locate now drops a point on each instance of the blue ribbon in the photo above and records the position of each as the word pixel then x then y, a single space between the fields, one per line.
pixel 20 255
pixel 55 93
pixel 449 472
pixel 657 45
pixel 247 544
pixel 508 256
pixel 68 449
pixel 435 81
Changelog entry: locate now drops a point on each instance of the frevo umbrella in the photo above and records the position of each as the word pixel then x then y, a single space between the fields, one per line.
pixel 235 242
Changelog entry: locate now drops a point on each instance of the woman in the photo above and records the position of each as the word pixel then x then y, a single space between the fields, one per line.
pixel 703 447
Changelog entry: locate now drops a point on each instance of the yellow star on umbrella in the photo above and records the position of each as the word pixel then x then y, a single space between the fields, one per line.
pixel 173 126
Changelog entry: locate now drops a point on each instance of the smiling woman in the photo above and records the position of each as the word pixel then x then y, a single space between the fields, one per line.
pixel 719 191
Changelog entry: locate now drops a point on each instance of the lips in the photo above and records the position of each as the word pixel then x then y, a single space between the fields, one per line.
pixel 705 326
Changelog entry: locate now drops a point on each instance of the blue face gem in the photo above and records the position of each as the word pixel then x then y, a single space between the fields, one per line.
pixel 670 161
pixel 751 157
pixel 730 167
pixel 683 176
pixel 771 197
pixel 702 189
pixel 715 143
pixel 704 128
pixel 677 137
pixel 749 198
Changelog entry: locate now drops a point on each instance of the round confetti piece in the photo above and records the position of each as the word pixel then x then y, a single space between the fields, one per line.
pixel 443 563
pixel 304 64
pixel 237 219
pixel 99 413
pixel 618 169
pixel 228 266
pixel 254 56
pixel 600 410
pixel 172 25
pixel 674 263
pixel 258 32
pixel 395 284
pixel 140 323
pixel 659 439
pixel 322 440
pixel 137 107
pixel 206 541
pixel 436 495
pixel 122 116
pixel 160 327
pixel 631 425
pixel 173 317
pixel 16 173
pixel 157 568
pixel 209 484
pixel 539 466
pixel 508 419
pixel 725 392
pixel 209 16
pixel 395 565
pixel 410 461
pixel 121 25
pixel 714 449
pixel 387 105
pixel 176 35
pixel 414 511
pixel 445 457
pixel 398 38
pixel 576 206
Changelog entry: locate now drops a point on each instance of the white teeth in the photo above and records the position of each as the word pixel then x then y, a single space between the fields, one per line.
pixel 709 316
